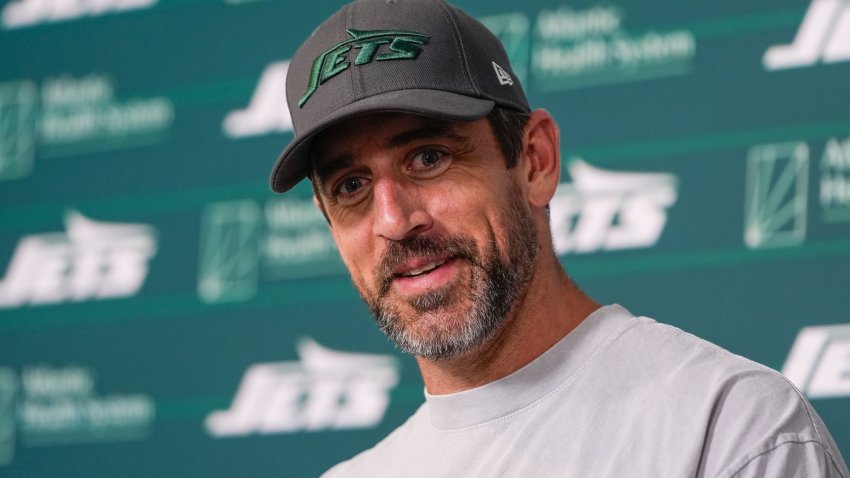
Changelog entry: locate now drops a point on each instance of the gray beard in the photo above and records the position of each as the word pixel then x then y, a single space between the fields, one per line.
pixel 494 290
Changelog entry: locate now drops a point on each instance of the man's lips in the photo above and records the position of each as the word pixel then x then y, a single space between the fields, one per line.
pixel 415 277
pixel 419 266
pixel 409 271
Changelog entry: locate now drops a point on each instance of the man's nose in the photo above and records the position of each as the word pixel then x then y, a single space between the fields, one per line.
pixel 398 211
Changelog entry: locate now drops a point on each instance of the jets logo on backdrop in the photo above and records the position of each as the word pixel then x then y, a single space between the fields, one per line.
pixel 824 35
pixel 819 362
pixel 325 390
pixel 93 260
pixel 401 45
pixel 267 112
pixel 25 13
pixel 608 210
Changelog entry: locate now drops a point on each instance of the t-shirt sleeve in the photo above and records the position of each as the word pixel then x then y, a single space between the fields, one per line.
pixel 789 457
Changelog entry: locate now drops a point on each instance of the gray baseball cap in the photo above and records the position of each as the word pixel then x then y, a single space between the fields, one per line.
pixel 423 57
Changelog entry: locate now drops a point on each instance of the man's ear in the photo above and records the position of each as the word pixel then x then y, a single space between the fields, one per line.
pixel 541 160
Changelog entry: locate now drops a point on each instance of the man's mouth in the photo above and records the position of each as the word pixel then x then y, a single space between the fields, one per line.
pixel 422 264
pixel 424 269
pixel 423 274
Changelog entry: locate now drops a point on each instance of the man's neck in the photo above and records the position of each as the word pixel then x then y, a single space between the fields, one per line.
pixel 551 307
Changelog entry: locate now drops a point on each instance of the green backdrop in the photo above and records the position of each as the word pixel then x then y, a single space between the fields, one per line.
pixel 162 313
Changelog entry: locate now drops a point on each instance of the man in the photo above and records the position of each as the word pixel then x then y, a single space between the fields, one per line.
pixel 435 177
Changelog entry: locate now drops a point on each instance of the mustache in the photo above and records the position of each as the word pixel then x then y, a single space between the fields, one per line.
pixel 454 246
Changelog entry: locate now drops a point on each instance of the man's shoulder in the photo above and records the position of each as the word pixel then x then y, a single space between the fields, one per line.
pixel 616 331
pixel 370 461
pixel 746 410
pixel 672 349
pixel 667 355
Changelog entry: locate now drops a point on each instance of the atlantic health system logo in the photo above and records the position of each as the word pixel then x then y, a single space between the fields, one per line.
pixel 18 108
pixel 566 48
pixel 777 194
pixel 73 115
pixel 8 396
pixel 326 390
pixel 58 406
pixel 244 243
pixel 777 189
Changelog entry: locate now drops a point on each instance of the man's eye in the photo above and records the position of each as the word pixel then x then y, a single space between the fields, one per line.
pixel 428 162
pixel 430 158
pixel 348 186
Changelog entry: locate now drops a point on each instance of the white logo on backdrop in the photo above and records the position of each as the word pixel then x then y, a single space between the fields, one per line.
pixel 25 13
pixel 325 390
pixel 824 36
pixel 819 362
pixel 94 260
pixel 267 112
pixel 610 210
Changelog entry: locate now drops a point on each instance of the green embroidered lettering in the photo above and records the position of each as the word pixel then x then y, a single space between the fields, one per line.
pixel 367 51
pixel 335 63
pixel 402 48
pixel 402 45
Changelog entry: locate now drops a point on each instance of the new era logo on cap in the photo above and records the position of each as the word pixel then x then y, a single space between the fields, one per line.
pixel 502 75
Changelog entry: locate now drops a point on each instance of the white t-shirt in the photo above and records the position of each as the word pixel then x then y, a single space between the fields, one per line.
pixel 620 396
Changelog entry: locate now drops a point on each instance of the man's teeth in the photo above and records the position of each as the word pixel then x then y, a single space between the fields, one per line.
pixel 426 268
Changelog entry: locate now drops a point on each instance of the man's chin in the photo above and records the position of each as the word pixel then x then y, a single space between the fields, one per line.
pixel 431 301
pixel 437 301
pixel 434 308
pixel 429 328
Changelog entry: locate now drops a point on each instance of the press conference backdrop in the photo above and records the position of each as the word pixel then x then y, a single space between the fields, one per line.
pixel 163 314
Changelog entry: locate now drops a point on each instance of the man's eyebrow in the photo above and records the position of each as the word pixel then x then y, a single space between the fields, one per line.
pixel 324 168
pixel 426 132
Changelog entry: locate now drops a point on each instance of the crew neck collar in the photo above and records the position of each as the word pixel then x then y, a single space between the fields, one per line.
pixel 532 382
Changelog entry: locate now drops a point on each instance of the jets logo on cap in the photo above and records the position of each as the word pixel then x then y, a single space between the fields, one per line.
pixel 401 44
pixel 502 75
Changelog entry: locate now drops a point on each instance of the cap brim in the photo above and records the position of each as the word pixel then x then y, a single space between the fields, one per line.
pixel 293 164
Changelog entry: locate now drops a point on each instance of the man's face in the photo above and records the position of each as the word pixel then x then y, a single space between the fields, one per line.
pixel 433 228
